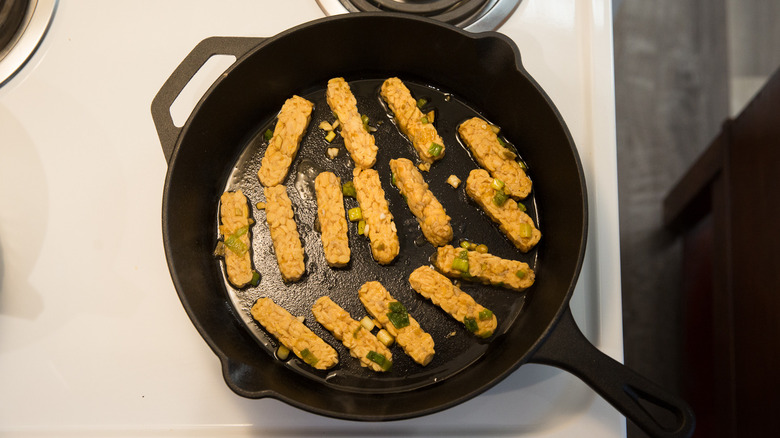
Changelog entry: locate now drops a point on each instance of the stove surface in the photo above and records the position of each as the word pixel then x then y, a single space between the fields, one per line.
pixel 93 338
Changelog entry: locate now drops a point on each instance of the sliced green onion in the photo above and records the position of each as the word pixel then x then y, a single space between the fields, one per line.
pixel 330 136
pixel 500 198
pixel 526 230
pixel 464 255
pixel 472 246
pixel 485 314
pixel 482 248
pixel 521 206
pixel 255 278
pixel 355 214
pixel 394 181
pixel 520 274
pixel 309 357
pixel 268 135
pixel 522 165
pixel 471 324
pixel 421 102
pixel 501 141
pixel 497 184
pixel 367 323
pixel 362 227
pixel 385 337
pixel 379 359
pixel 435 149
pixel 424 120
pixel 282 352
pixel 495 128
pixel 464 244
pixel 356 331
pixel 234 243
pixel 348 189
pixel 364 119
pixel 398 315
pixel 461 265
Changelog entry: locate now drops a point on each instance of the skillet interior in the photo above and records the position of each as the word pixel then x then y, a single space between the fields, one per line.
pixel 455 347
pixel 486 73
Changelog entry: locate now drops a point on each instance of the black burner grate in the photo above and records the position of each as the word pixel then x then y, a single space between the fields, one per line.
pixel 454 12
pixel 12 13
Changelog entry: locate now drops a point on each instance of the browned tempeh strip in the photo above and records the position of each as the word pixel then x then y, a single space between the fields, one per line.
pixel 284 233
pixel 293 119
pixel 360 143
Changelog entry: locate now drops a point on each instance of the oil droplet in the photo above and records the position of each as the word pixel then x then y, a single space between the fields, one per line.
pixel 420 240
pixel 306 172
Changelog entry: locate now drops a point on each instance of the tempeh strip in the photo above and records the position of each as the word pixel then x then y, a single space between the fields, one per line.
pixel 294 334
pixel 284 233
pixel 292 122
pixel 493 156
pixel 460 305
pixel 360 143
pixel 411 121
pixel 361 343
pixel 433 219
pixel 332 217
pixel 410 336
pixel 511 220
pixel 483 267
pixel 234 215
pixel 381 229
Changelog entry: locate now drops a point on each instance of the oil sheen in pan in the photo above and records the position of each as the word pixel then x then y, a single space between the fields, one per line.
pixel 455 347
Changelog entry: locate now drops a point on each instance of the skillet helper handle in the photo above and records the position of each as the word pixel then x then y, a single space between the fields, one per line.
pixel 181 76
pixel 653 409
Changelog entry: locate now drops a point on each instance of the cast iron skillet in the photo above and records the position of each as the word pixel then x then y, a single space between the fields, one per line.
pixel 462 74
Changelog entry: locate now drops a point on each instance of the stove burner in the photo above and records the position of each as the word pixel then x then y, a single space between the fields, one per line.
pixel 12 14
pixel 474 15
pixel 448 11
pixel 23 23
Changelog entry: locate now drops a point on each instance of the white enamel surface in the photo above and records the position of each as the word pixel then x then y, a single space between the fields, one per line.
pixel 93 338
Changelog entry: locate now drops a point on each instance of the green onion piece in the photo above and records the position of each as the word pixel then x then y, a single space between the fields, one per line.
pixel 472 246
pixel 520 274
pixel 309 357
pixel 362 227
pixel 356 331
pixel 435 149
pixel 471 324
pixel 460 264
pixel 399 320
pixel 464 244
pixel 521 206
pixel 485 314
pixel 501 141
pixel 355 214
pixel 522 165
pixel 364 119
pixel 482 248
pixel 500 198
pixel 424 120
pixel 497 184
pixel 268 134
pixel 379 359
pixel 255 278
pixel 398 315
pixel 396 307
pixel 463 255
pixel 394 181
pixel 421 102
pixel 348 189
pixel 282 352
pixel 234 243
pixel 526 230
pixel 495 128
pixel 330 136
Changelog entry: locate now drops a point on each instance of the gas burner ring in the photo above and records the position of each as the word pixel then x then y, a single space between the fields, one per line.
pixel 26 35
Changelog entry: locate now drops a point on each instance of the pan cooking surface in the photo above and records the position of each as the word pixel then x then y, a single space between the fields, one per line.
pixel 456 348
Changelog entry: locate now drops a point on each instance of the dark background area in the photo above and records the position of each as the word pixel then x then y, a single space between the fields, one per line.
pixel 682 67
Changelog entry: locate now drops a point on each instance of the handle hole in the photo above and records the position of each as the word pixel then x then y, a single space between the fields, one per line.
pixel 665 415
pixel 190 95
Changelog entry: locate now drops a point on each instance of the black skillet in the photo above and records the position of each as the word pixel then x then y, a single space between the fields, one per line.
pixel 462 75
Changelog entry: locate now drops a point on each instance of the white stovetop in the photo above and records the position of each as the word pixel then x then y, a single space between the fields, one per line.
pixel 93 339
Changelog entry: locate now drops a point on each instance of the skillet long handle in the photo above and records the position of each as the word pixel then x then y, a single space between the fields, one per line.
pixel 653 409
pixel 181 76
